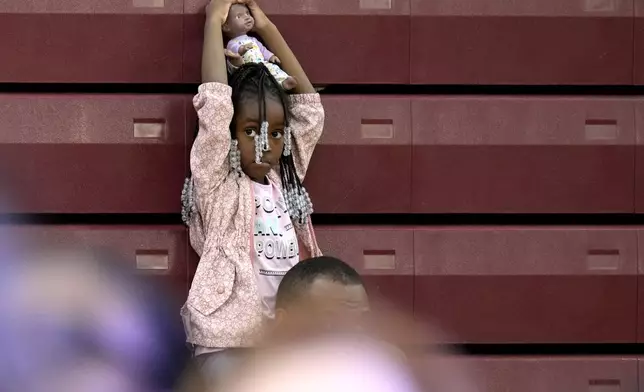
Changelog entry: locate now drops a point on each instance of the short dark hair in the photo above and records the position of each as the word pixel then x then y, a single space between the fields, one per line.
pixel 299 278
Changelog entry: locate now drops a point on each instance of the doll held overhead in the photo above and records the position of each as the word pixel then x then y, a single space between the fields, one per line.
pixel 238 24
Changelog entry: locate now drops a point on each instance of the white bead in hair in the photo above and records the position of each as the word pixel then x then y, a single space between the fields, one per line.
pixel 261 142
pixel 258 149
pixel 234 156
pixel 188 206
pixel 263 134
pixel 287 142
pixel 299 204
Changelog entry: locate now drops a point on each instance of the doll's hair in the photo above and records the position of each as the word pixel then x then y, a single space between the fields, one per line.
pixel 254 82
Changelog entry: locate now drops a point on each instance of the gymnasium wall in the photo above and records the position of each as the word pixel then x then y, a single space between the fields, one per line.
pixel 482 162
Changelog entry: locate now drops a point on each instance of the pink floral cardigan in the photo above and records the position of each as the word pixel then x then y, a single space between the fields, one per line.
pixel 223 307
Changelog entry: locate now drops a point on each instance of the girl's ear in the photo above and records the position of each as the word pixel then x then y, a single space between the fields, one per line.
pixel 225 28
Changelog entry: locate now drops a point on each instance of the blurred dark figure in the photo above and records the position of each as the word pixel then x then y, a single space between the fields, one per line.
pixel 331 363
pixel 326 338
pixel 73 321
pixel 391 354
pixel 321 294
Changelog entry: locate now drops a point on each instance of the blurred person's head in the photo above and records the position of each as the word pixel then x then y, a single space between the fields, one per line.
pixel 333 363
pixel 321 293
pixel 73 321
pixel 393 353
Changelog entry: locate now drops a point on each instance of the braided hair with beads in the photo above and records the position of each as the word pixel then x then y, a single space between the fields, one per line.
pixel 254 81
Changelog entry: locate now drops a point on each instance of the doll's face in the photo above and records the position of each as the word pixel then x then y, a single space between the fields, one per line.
pixel 247 127
pixel 239 21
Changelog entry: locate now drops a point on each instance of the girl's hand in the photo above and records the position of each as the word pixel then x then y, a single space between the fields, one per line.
pixel 261 20
pixel 234 58
pixel 218 9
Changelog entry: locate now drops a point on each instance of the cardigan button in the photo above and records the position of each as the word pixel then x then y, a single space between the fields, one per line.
pixel 220 290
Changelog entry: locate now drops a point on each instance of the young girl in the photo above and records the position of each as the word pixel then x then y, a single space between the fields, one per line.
pixel 245 205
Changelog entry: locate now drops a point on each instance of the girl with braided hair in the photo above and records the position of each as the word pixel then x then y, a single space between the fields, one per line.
pixel 248 213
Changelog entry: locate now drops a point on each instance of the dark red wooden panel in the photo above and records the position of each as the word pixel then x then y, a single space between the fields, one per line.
pixel 639 42
pixel 91 41
pixel 639 151
pixel 522 154
pixel 640 299
pixel 528 285
pixel 383 256
pixel 363 161
pixel 555 374
pixel 522 42
pixel 337 41
pixel 156 251
pixel 640 286
pixel 94 153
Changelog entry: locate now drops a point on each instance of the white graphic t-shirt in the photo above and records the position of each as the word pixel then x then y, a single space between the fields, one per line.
pixel 274 241
pixel 275 247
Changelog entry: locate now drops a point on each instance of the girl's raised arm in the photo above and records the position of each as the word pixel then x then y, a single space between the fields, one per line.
pixel 213 60
pixel 208 158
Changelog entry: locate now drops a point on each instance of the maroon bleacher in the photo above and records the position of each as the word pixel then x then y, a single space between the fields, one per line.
pixel 639 154
pixel 337 41
pixel 555 374
pixel 522 42
pixel 537 285
pixel 487 154
pixel 91 41
pixel 504 285
pixel 94 153
pixel 363 161
pixel 378 154
pixel 159 252
pixel 476 155
pixel 640 286
pixel 481 285
pixel 638 46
